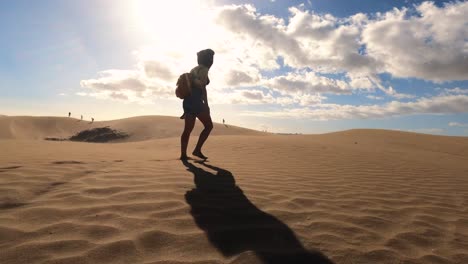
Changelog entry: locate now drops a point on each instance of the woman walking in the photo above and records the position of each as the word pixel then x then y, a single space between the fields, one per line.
pixel 196 105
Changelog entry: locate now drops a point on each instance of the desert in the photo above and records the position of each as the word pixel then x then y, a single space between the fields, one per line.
pixel 356 196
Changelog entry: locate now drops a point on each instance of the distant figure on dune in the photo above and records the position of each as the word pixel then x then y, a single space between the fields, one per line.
pixel 92 120
pixel 196 105
pixel 81 117
pixel 223 121
pixel 69 114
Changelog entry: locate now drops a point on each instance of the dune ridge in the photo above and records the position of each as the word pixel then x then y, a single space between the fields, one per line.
pixel 358 196
pixel 140 127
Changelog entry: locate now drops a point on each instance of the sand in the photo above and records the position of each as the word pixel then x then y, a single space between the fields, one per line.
pixel 358 196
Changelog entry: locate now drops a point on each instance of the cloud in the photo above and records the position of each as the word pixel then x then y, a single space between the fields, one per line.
pixel 323 43
pixel 309 25
pixel 254 95
pixel 360 46
pixel 429 45
pixel 456 124
pixel 143 84
pixel 121 96
pixel 360 82
pixel 115 80
pixel 258 97
pixel 433 105
pixel 456 90
pixel 373 97
pixel 391 92
pixel 244 21
pixel 307 82
pixel 238 78
pixel 426 42
pixel 156 69
pixel 308 99
pixel 436 131
pixel 375 80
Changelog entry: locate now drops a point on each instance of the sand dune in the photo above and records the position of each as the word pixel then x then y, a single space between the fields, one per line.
pixel 359 196
pixel 139 128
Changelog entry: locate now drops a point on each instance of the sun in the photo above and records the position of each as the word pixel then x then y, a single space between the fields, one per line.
pixel 173 24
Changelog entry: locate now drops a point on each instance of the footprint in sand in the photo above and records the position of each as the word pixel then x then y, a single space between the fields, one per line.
pixel 2 169
pixel 10 205
pixel 10 167
pixel 68 162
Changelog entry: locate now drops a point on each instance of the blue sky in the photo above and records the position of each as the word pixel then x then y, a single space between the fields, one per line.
pixel 283 66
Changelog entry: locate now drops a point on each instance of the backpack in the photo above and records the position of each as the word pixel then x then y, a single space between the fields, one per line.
pixel 184 85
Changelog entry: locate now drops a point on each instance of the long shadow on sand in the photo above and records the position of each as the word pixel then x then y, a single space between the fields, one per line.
pixel 234 225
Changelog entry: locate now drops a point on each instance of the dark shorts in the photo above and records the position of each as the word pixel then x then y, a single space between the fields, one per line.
pixel 193 104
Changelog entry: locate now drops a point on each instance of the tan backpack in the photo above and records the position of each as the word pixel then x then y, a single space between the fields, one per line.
pixel 184 86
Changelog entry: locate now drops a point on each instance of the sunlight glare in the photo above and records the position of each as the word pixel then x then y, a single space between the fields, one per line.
pixel 174 24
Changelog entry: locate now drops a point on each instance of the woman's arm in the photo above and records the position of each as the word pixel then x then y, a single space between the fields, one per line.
pixel 202 81
pixel 205 96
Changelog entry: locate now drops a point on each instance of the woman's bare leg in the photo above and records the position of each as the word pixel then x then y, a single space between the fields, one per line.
pixel 184 139
pixel 205 118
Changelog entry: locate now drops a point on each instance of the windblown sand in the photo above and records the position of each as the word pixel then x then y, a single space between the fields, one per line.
pixel 359 196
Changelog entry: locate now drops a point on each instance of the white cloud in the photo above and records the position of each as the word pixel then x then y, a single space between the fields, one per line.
pixel 156 69
pixel 306 83
pixel 360 82
pixel 433 105
pixel 236 78
pixel 391 92
pixel 308 99
pixel 257 97
pixel 245 22
pixel 436 131
pixel 323 43
pixel 456 90
pixel 456 124
pixel 373 97
pixel 254 95
pixel 115 80
pixel 328 44
pixel 121 96
pixel 251 97
pixel 310 25
pixel 430 45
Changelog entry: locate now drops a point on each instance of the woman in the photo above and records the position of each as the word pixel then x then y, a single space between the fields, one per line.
pixel 196 105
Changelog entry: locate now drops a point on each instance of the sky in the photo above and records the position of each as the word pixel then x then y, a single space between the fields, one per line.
pixel 312 66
